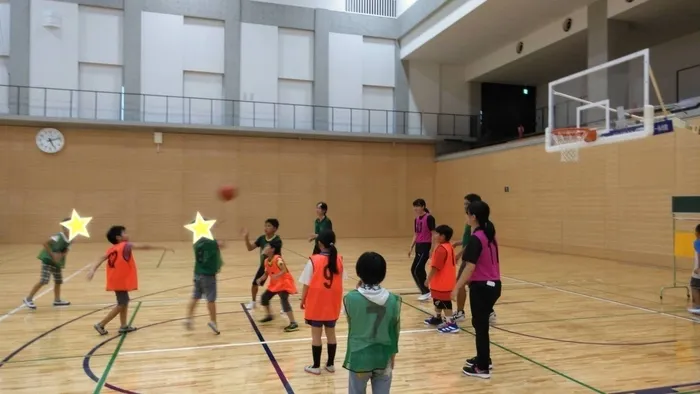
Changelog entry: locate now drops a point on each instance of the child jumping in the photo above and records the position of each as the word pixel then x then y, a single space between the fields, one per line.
pixel 207 264
pixel 281 284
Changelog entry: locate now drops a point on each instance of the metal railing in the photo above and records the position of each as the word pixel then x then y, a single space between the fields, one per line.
pixel 150 108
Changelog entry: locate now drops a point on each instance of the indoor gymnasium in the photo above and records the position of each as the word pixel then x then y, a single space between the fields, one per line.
pixel 182 182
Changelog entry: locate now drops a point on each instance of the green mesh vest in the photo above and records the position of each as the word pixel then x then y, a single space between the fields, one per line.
pixel 58 244
pixel 207 257
pixel 374 332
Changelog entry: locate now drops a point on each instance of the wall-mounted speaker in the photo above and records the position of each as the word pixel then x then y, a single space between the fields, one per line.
pixel 519 47
pixel 568 22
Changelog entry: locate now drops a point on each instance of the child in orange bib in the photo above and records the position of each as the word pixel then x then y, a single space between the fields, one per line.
pixel 281 283
pixel 122 275
pixel 442 280
pixel 322 298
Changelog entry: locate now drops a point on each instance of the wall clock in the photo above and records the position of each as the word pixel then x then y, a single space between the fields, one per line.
pixel 50 141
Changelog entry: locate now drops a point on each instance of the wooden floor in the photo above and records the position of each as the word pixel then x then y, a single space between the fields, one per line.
pixel 566 324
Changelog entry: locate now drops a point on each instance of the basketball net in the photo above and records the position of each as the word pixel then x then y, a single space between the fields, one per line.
pixel 571 137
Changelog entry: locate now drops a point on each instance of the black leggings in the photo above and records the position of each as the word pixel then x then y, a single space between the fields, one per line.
pixel 482 298
pixel 284 299
pixel 418 267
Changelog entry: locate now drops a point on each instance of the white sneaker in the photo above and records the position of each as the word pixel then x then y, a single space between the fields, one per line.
pixel 250 306
pixel 694 311
pixel 492 318
pixel 459 316
pixel 29 303
pixel 424 297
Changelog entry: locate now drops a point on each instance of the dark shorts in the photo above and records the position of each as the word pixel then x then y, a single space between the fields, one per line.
pixel 284 299
pixel 122 297
pixel 261 272
pixel 204 286
pixel 695 283
pixel 442 305
pixel 317 323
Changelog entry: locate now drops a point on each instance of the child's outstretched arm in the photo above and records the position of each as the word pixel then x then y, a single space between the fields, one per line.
pixel 149 247
pixel 95 266
pixel 246 238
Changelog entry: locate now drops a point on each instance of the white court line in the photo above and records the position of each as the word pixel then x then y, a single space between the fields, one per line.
pixel 170 301
pixel 239 344
pixel 19 308
pixel 603 299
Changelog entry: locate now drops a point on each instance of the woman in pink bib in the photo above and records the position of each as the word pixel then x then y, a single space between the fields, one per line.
pixel 423 227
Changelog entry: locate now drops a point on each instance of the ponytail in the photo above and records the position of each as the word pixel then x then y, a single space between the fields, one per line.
pixel 426 210
pixel 489 231
pixel 327 239
pixel 481 211
pixel 333 259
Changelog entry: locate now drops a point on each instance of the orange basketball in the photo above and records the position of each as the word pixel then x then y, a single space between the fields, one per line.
pixel 228 192
pixel 591 135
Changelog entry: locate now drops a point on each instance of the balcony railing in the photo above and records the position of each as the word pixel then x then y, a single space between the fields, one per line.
pixel 150 108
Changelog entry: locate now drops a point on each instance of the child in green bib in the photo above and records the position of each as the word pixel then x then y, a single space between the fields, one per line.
pixel 53 260
pixel 374 324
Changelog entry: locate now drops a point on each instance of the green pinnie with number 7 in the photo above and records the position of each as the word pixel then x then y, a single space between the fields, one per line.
pixel 374 325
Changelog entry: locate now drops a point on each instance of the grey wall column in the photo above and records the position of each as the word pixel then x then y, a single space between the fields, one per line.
pixel 18 66
pixel 132 60
pixel 401 94
pixel 232 62
pixel 598 50
pixel 321 70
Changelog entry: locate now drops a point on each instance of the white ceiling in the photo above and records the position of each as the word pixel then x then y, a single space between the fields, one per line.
pixel 653 23
pixel 494 24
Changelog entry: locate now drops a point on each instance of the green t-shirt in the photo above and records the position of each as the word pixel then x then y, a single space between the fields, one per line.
pixel 467 234
pixel 58 244
pixel 262 241
pixel 207 257
pixel 322 225
pixel 373 332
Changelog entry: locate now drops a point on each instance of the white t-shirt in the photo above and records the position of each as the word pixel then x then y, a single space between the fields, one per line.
pixel 308 272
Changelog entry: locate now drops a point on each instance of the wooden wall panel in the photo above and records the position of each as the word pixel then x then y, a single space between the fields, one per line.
pixel 118 178
pixel 614 203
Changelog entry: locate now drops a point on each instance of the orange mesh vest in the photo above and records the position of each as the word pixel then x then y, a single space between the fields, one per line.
pixel 446 278
pixel 325 295
pixel 282 283
pixel 121 272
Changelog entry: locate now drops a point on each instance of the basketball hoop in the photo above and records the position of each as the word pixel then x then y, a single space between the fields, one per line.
pixel 572 136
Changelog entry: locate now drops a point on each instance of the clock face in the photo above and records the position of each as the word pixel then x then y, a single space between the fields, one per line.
pixel 50 140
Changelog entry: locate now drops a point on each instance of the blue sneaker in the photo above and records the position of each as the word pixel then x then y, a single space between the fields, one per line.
pixel 449 328
pixel 432 321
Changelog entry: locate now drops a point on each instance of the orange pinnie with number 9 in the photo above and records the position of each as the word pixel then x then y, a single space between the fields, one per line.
pixel 322 298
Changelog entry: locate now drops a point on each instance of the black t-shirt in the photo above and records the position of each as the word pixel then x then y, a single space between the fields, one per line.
pixel 473 250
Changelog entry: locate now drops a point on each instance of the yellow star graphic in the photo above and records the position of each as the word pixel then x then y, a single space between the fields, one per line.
pixel 76 225
pixel 200 228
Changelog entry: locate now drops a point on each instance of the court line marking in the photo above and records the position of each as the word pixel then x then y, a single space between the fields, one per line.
pixel 268 351
pixel 112 359
pixel 603 299
pixel 240 344
pixel 524 357
pixel 19 308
